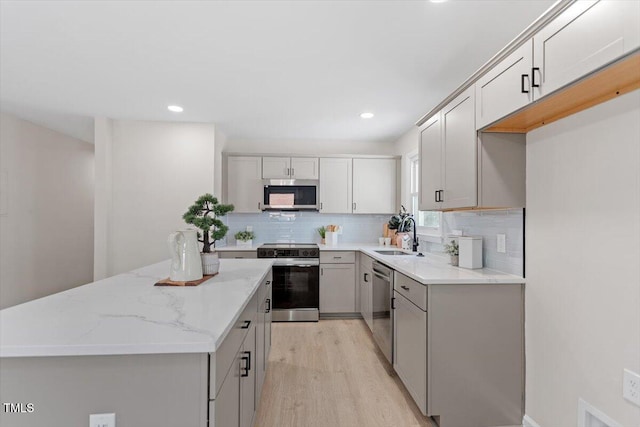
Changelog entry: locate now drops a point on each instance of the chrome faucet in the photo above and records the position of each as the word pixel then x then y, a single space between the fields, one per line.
pixel 415 237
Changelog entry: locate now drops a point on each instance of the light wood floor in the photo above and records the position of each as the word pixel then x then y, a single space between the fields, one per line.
pixel 331 374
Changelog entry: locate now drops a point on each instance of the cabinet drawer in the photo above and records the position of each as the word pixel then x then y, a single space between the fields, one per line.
pixel 414 291
pixel 337 257
pixel 238 254
pixel 222 359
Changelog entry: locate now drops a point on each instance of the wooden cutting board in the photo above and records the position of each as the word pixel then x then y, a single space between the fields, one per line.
pixel 167 282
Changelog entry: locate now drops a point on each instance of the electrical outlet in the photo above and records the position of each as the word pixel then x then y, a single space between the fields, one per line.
pixel 502 243
pixel 631 387
pixel 102 420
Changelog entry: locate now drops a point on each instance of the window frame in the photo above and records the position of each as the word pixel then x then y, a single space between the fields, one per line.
pixel 431 234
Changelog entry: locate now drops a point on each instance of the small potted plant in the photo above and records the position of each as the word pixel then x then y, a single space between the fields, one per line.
pixel 244 238
pixel 205 214
pixel 453 250
pixel 400 224
pixel 322 231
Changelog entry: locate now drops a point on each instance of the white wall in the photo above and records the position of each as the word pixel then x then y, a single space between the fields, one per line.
pixel 583 263
pixel 46 217
pixel 157 169
pixel 309 147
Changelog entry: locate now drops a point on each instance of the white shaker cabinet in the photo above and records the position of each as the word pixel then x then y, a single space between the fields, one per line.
pixel 244 183
pixel 276 167
pixel 304 168
pixel 448 156
pixel 290 167
pixel 586 36
pixel 336 185
pixel 374 186
pixel 460 152
pixel 506 87
pixel 410 348
pixel 430 165
pixel 337 288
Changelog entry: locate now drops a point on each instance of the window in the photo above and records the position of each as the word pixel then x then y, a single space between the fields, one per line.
pixel 428 221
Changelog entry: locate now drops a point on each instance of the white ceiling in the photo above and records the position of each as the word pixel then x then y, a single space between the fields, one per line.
pixel 259 69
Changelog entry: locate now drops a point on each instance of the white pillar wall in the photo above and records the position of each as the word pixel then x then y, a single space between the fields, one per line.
pixel 147 175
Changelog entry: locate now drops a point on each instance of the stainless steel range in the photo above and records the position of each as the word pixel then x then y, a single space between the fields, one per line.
pixel 296 281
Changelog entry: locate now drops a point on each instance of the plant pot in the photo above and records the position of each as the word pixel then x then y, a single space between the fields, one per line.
pixel 322 241
pixel 454 260
pixel 244 243
pixel 397 241
pixel 210 263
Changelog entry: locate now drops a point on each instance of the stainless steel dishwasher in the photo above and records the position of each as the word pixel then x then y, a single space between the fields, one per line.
pixel 382 312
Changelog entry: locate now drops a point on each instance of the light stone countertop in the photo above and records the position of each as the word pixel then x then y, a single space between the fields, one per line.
pixel 430 269
pixel 126 314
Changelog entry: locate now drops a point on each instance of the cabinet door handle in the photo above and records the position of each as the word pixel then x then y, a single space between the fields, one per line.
pixel 436 195
pixel 533 76
pixel 405 287
pixel 268 282
pixel 522 77
pixel 365 277
pixel 247 366
pixel 337 257
pixel 246 325
pixel 259 206
pixel 268 302
pixel 320 205
pixel 293 171
pixel 354 206
pixel 440 193
pixel 393 303
pixel 322 271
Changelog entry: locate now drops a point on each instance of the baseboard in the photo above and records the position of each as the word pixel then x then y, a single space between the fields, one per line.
pixel 527 421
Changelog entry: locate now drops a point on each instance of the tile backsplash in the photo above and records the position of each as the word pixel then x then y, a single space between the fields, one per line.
pixel 301 227
pixel 488 224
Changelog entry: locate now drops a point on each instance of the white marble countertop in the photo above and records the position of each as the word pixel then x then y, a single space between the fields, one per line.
pixel 126 314
pixel 430 269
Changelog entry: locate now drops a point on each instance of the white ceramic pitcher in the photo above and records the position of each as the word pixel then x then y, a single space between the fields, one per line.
pixel 185 256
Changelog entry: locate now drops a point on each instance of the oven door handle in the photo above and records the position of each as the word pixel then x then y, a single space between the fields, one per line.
pixel 290 263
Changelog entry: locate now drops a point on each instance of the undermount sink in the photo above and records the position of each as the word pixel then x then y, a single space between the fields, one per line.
pixel 391 252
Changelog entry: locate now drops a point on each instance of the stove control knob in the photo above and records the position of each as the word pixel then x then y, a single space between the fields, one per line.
pixel 305 253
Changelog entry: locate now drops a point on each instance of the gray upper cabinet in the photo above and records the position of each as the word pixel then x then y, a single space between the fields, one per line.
pixel 448 156
pixel 506 87
pixel 459 144
pixel 374 186
pixel 430 165
pixel 244 183
pixel 336 189
pixel 586 36
pixel 290 168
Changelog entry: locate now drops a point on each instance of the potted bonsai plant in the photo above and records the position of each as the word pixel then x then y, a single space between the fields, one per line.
pixel 244 238
pixel 400 224
pixel 453 250
pixel 205 214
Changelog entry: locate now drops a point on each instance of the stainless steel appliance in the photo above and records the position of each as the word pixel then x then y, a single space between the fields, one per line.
pixel 296 281
pixel 382 312
pixel 290 194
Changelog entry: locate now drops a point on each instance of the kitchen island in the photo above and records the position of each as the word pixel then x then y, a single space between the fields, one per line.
pixel 152 355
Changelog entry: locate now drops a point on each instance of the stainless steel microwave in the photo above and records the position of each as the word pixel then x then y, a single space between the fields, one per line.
pixel 290 195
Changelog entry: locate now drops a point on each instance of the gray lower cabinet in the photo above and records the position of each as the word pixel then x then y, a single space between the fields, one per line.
pixel 366 292
pixel 236 400
pixel 337 288
pixel 410 348
pixel 238 254
pixel 338 285
pixel 459 350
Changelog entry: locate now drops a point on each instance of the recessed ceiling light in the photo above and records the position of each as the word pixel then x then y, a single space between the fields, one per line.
pixel 366 115
pixel 437 1
pixel 175 108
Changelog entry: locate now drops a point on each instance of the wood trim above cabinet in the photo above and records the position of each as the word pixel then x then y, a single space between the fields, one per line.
pixel 617 78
